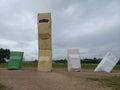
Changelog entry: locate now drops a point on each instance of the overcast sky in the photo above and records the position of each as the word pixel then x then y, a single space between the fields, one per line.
pixel 93 26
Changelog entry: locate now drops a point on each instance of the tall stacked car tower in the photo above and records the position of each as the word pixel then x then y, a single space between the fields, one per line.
pixel 44 42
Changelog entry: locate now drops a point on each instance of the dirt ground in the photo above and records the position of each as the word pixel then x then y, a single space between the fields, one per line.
pixel 58 79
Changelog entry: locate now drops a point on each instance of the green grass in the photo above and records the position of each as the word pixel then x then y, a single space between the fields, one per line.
pixel 117 67
pixel 34 65
pixel 2 86
pixel 30 64
pixel 84 66
pixel 113 82
pixel 59 65
pixel 3 65
pixel 89 66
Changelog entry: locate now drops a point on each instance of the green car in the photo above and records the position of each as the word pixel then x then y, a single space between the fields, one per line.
pixel 15 62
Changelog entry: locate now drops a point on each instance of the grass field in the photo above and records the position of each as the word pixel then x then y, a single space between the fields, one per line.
pixel 59 65
pixel 3 65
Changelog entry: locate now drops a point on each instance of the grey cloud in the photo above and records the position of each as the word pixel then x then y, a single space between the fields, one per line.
pixel 91 25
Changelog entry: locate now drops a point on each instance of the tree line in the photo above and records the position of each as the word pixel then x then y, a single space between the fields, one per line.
pixel 86 60
pixel 4 54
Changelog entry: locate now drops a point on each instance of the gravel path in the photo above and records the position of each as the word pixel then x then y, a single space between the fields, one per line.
pixel 59 79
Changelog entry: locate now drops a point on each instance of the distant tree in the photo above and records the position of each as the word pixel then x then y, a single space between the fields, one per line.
pixel 118 62
pixel 64 61
pixel 92 61
pixel 94 58
pixel 36 61
pixel 4 53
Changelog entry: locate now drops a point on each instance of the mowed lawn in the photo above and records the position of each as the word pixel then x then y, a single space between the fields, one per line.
pixel 111 81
